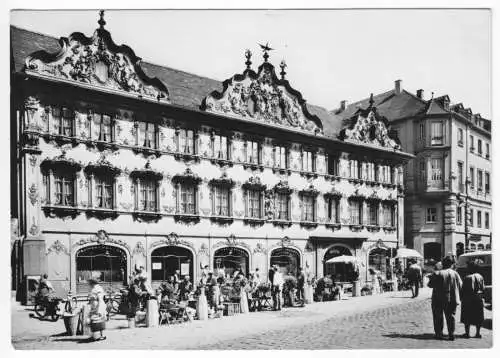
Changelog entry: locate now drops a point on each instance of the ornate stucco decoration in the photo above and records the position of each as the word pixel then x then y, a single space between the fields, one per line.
pixel 358 194
pixel 203 251
pixel 146 172
pixel 373 197
pixel 333 193
pixel 259 249
pixel 139 249
pixel 377 245
pixel 171 239
pixel 309 190
pixel 58 248
pixel 231 241
pixel 368 127
pixel 62 162
pixel 283 187
pixel 102 165
pixel 263 97
pixel 187 177
pixel 99 63
pixel 102 238
pixel 223 181
pixel 286 242
pixel 254 183
pixel 33 194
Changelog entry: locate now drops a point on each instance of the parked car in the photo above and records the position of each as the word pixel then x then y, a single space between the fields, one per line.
pixel 484 268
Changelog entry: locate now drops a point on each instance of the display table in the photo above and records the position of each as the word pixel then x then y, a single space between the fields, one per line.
pixel 230 309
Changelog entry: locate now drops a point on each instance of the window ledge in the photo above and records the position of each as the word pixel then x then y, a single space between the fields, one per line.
pixel 308 174
pixel 282 170
pixel 253 166
pixel 356 227
pixel 221 162
pixel 60 139
pixel 103 144
pixel 186 156
pixel 309 224
pixel 102 213
pixel 140 215
pixel 282 223
pixel 333 225
pixel 388 229
pixel 355 180
pixel 61 211
pixel 146 151
pixel 373 228
pixel 222 219
pixel 332 177
pixel 254 221
pixel 187 218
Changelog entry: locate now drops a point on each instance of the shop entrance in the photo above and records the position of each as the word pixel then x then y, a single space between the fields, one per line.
pixel 339 271
pixel 287 259
pixel 230 259
pixel 109 263
pixel 166 260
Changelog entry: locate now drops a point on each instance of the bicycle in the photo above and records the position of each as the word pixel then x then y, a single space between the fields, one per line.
pixel 113 302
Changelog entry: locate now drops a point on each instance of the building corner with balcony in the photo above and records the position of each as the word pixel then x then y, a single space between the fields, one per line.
pixel 448 182
pixel 120 163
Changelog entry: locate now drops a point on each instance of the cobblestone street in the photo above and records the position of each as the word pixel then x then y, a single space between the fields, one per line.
pixel 391 320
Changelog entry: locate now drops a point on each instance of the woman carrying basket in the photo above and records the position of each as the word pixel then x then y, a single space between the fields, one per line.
pixel 97 313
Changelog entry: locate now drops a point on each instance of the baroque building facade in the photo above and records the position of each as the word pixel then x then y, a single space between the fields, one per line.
pixel 122 164
pixel 448 183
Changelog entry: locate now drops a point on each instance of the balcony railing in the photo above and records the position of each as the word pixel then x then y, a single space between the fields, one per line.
pixel 437 140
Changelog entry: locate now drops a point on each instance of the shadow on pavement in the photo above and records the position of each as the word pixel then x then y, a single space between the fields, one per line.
pixel 419 336
pixel 75 339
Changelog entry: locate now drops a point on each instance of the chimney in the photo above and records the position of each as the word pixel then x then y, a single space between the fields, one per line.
pixel 397 86
pixel 343 104
pixel 420 93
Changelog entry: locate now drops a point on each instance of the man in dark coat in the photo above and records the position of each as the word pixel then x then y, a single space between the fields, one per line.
pixel 446 285
pixel 414 276
pixel 301 279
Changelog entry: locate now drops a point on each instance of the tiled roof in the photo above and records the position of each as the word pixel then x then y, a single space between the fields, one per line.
pixel 185 89
pixel 389 105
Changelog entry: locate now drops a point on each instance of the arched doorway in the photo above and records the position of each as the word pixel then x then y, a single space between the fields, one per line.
pixel 166 260
pixel 460 247
pixel 287 259
pixel 107 262
pixel 432 252
pixel 339 270
pixel 378 260
pixel 231 259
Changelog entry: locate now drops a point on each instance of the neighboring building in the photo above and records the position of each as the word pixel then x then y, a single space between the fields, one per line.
pixel 450 174
pixel 115 169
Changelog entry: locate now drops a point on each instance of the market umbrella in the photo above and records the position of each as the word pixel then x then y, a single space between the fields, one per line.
pixel 407 253
pixel 343 259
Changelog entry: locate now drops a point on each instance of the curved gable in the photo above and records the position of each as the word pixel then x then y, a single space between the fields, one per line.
pixel 98 62
pixel 263 97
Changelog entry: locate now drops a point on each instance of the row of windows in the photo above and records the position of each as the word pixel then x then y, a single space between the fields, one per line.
pixel 431 217
pixel 63 194
pixel 101 128
pixel 460 139
pixel 473 174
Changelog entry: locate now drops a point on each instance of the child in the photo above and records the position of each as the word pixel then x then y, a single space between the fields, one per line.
pixel 96 319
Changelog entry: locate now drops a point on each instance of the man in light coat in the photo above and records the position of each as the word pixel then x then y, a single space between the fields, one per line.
pixel 277 289
pixel 446 285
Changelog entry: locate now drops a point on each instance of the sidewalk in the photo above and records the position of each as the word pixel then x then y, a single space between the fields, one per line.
pixel 36 335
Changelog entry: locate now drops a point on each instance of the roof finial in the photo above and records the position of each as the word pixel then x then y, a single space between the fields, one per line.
pixel 266 49
pixel 432 95
pixel 101 21
pixel 248 55
pixel 371 100
pixel 283 66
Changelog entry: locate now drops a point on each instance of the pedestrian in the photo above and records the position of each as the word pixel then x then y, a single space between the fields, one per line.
pixel 414 276
pixel 97 310
pixel 301 279
pixel 277 289
pixel 472 310
pixel 446 285
pixel 185 288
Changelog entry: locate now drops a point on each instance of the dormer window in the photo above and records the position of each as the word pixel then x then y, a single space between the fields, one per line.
pixel 64 119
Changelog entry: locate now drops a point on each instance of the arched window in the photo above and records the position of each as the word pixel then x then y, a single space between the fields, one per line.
pixel 339 270
pixel 107 262
pixel 287 259
pixel 472 246
pixel 166 260
pixel 488 247
pixel 480 247
pixel 459 248
pixel 231 259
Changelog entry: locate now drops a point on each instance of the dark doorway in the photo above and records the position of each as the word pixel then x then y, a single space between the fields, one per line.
pixel 231 259
pixel 168 259
pixel 287 259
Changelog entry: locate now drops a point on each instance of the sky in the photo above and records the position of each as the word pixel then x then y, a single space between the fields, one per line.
pixel 332 55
